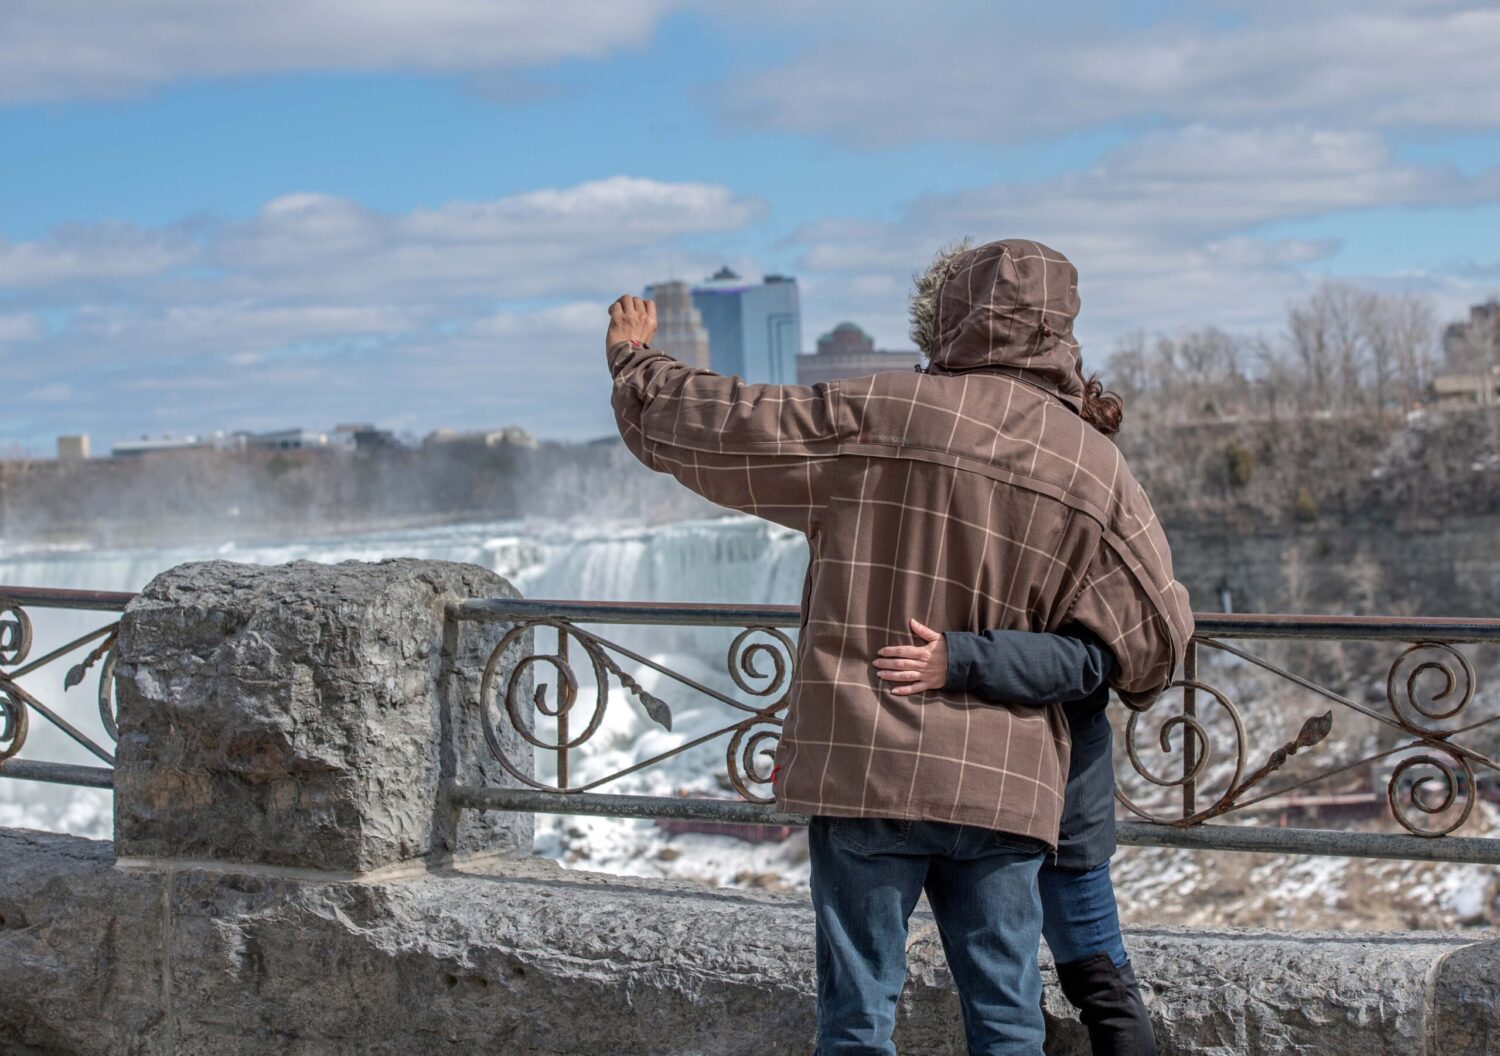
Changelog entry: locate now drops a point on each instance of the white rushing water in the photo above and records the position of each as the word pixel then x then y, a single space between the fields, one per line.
pixel 734 559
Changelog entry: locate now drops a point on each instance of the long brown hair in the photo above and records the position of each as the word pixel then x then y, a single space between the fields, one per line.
pixel 1101 409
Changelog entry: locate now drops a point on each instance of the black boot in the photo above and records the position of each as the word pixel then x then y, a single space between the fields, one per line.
pixel 1109 1004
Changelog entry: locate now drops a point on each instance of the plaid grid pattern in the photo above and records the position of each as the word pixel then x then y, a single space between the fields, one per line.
pixel 970 497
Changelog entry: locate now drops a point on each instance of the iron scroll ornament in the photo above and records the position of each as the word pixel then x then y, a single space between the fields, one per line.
pixel 15 636
pixel 13 725
pixel 15 646
pixel 1313 732
pixel 1441 765
pixel 750 757
pixel 751 738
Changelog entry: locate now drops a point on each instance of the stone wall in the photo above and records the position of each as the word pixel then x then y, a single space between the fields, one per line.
pixel 518 956
pixel 1415 566
pixel 287 878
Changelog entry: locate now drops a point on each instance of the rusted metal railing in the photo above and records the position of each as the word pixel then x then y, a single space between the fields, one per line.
pixel 1438 768
pixel 1431 789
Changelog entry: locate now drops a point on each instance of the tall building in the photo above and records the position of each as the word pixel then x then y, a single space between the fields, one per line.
pixel 846 351
pixel 754 329
pixel 679 326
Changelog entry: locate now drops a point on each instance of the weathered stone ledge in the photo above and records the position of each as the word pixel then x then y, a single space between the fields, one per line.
pixel 521 957
pixel 294 880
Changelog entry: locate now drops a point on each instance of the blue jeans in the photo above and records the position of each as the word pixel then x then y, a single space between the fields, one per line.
pixel 867 874
pixel 1079 915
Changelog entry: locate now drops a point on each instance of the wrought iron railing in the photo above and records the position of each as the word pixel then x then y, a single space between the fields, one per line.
pixel 18 704
pixel 1431 788
pixel 1437 768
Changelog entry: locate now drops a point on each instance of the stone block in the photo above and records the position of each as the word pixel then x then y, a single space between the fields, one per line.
pixel 307 715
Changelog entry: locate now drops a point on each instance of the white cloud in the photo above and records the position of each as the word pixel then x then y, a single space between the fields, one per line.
pixel 56 392
pixel 577 320
pixel 20 326
pixel 317 308
pixel 547 243
pixel 1163 230
pixel 51 50
pixel 317 249
pixel 217 329
pixel 980 73
pixel 1200 180
pixel 92 252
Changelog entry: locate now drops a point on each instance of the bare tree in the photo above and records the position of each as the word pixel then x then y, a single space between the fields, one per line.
pixel 1327 336
pixel 1309 342
pixel 1277 384
pixel 1400 331
pixel 1128 373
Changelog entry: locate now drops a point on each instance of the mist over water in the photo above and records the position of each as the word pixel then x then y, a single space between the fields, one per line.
pixel 734 559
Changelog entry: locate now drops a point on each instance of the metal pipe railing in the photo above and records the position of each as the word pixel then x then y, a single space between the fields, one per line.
pixel 1317 842
pixel 1256 626
pixel 49 598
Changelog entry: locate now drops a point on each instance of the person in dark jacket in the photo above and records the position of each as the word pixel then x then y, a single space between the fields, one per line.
pixel 1080 920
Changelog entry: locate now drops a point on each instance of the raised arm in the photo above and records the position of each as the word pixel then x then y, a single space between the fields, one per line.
pixel 754 448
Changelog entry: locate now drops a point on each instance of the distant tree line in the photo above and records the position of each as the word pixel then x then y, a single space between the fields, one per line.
pixel 1328 418
pixel 1342 350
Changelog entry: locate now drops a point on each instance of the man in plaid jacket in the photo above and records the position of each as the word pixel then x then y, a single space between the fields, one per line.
pixel 971 496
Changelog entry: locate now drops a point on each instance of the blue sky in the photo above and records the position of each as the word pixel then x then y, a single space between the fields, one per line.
pixel 256 215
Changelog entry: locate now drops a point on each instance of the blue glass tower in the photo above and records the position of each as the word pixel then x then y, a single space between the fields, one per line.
pixel 754 330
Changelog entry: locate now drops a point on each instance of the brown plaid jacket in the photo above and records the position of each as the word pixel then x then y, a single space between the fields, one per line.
pixel 970 497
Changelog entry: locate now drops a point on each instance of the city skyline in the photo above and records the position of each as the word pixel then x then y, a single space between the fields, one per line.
pixel 215 218
pixel 754 328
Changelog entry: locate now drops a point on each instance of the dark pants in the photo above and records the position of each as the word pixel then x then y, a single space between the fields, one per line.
pixel 1082 926
pixel 1079 915
pixel 867 874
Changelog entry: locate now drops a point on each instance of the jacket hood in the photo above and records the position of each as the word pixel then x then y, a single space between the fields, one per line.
pixel 1008 307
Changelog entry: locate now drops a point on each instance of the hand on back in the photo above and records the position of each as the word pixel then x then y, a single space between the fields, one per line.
pixel 917 668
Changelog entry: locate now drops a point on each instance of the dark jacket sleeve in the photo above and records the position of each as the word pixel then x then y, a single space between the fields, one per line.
pixel 1036 669
pixel 1027 668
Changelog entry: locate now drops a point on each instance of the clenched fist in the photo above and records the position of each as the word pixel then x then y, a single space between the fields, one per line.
pixel 631 319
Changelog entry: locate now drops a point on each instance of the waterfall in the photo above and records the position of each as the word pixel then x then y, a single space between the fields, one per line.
pixel 733 559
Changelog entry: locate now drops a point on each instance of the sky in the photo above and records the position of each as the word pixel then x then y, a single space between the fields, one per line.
pixel 258 214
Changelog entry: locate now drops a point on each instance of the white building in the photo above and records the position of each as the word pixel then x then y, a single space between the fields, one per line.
pixel 73 448
pixel 287 440
pixel 510 436
pixel 153 445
